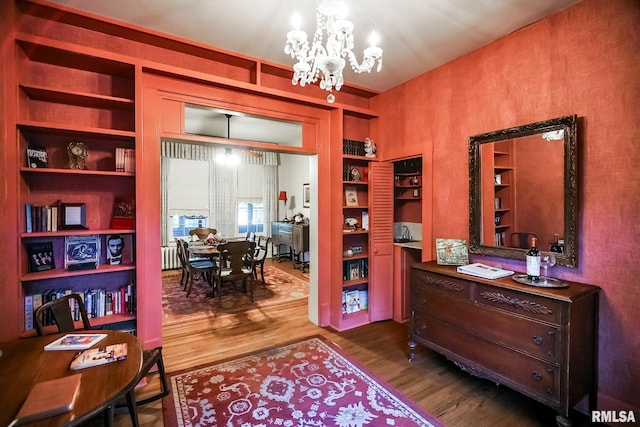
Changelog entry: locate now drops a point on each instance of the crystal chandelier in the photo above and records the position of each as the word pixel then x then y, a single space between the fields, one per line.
pixel 327 61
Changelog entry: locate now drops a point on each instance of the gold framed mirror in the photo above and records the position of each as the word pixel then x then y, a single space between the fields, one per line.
pixel 523 183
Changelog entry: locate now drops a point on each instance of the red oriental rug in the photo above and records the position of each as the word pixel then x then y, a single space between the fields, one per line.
pixel 310 383
pixel 280 287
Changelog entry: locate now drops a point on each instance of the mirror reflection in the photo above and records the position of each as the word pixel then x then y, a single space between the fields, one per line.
pixel 522 186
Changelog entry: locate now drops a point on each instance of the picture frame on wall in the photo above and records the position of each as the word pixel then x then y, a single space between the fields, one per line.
pixel 306 195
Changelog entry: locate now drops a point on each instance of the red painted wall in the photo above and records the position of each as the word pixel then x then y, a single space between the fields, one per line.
pixel 584 60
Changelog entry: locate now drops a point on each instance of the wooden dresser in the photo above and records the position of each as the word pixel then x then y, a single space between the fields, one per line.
pixel 295 238
pixel 541 342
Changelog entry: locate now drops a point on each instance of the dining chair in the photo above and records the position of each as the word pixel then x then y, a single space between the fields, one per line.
pixel 238 266
pixel 260 256
pixel 206 268
pixel 202 233
pixel 60 312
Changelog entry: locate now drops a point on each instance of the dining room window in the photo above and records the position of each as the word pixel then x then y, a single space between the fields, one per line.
pixel 183 223
pixel 250 217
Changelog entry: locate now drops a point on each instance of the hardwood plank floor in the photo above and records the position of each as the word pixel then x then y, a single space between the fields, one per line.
pixel 431 381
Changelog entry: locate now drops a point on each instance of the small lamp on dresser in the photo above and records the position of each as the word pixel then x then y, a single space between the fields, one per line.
pixel 283 196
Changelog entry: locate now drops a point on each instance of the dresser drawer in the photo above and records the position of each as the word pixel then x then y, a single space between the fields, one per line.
pixel 520 303
pixel 421 280
pixel 285 238
pixel 533 337
pixel 491 360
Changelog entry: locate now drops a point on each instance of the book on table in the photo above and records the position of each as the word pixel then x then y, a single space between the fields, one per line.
pixel 485 271
pixel 49 398
pixel 75 342
pixel 99 356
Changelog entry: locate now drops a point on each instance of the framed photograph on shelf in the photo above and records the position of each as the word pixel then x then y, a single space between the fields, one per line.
pixel 351 196
pixel 82 252
pixel 73 216
pixel 306 196
pixel 354 271
pixel 36 157
pixel 41 257
pixel 119 249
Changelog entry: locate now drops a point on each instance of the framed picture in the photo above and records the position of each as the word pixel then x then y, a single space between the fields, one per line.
pixel 351 196
pixel 452 252
pixel 306 196
pixel 73 216
pixel 118 249
pixel 354 271
pixel 82 251
pixel 41 257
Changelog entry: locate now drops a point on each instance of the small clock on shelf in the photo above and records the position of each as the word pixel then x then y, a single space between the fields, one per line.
pixel 77 155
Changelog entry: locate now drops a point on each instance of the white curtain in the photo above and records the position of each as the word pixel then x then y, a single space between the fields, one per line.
pixel 224 180
pixel 173 149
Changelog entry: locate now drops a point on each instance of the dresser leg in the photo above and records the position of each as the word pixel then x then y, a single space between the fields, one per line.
pixel 563 421
pixel 412 350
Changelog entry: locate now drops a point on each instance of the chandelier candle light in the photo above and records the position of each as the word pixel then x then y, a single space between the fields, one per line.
pixel 328 59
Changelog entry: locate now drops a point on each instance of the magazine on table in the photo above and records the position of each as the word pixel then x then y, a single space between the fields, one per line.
pixel 75 342
pixel 485 271
pixel 99 356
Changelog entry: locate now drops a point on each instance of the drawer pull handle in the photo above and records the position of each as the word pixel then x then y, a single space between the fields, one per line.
pixel 537 339
pixel 536 375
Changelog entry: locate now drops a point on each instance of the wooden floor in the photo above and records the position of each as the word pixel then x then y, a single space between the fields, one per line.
pixel 431 381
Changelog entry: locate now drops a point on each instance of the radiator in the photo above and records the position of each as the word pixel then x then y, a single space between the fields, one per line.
pixel 170 259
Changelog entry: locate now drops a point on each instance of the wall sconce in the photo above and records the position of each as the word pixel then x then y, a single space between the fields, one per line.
pixel 283 196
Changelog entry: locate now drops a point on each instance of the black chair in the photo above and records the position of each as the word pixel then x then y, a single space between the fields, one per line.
pixel 194 267
pixel 238 256
pixel 260 256
pixel 59 311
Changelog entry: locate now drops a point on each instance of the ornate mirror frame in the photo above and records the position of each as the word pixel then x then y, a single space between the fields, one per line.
pixel 567 124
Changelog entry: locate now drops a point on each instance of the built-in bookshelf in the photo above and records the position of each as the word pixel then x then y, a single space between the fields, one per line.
pixel 503 191
pixel 78 109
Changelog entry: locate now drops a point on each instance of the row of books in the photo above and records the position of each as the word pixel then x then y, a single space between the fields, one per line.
pixel 501 238
pixel 97 303
pixel 41 218
pixel 352 147
pixel 354 300
pixel 125 160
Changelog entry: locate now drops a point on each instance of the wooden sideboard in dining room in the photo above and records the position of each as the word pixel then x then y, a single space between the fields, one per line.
pixel 294 239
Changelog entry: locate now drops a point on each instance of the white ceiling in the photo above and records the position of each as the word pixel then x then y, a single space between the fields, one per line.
pixel 416 35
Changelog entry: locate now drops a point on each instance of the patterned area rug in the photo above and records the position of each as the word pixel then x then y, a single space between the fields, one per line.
pixel 310 383
pixel 280 287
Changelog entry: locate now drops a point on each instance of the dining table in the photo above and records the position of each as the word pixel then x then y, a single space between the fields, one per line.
pixel 24 362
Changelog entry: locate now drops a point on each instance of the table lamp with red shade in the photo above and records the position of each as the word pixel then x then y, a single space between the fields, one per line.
pixel 283 196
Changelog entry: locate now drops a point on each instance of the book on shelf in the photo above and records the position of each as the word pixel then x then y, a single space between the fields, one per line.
pixel 75 342
pixel 49 398
pixel 99 356
pixel 41 256
pixel 125 160
pixel 95 301
pixel 41 218
pixel 354 300
pixel 37 157
pixel 485 271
